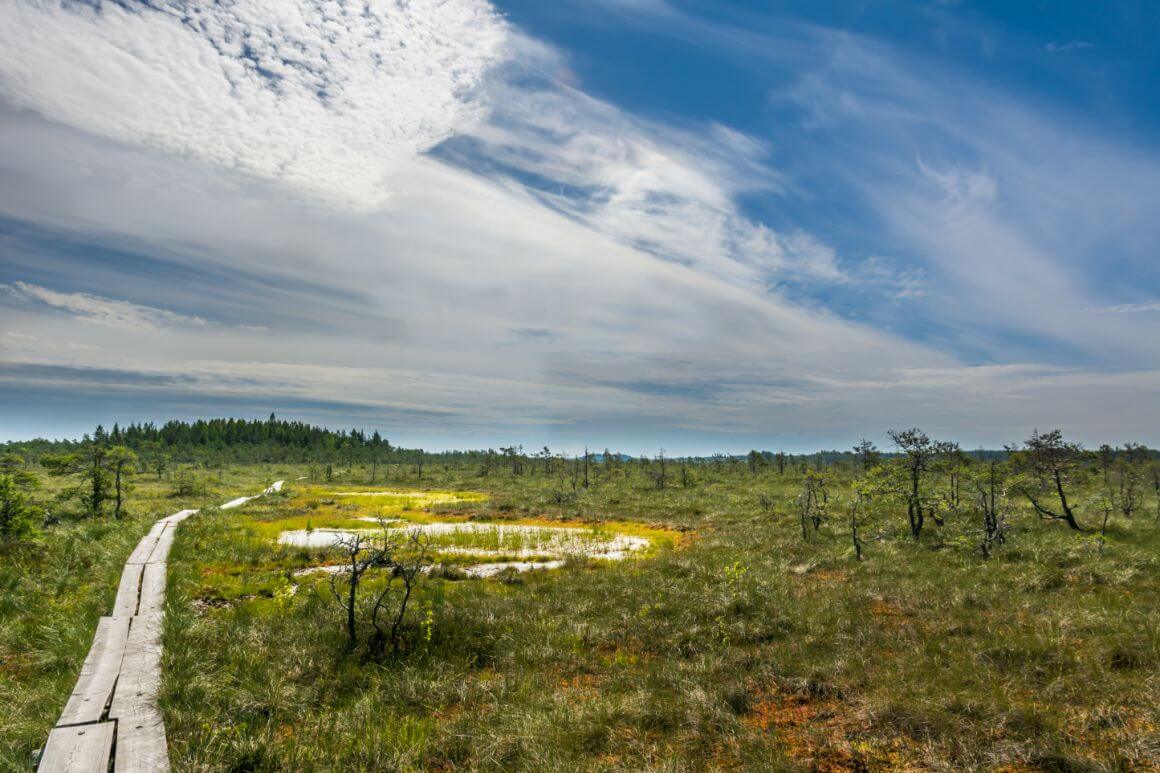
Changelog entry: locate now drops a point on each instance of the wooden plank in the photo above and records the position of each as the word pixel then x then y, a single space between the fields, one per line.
pixel 141 745
pixel 125 604
pixel 179 516
pixel 137 687
pixel 236 503
pixel 141 553
pixel 152 590
pixel 78 749
pixel 160 553
pixel 99 673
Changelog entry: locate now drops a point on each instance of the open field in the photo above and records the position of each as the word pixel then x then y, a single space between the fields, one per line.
pixel 729 641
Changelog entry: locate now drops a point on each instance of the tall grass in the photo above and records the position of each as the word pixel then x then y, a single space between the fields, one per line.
pixel 744 646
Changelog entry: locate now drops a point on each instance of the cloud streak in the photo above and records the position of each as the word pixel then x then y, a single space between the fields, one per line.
pixel 103 311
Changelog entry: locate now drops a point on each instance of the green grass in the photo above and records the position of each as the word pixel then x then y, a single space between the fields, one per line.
pixel 736 645
pixel 743 646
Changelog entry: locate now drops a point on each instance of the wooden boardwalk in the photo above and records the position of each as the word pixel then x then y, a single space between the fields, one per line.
pixel 111 720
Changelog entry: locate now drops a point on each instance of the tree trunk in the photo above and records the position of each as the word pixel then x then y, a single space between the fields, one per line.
pixel 117 509
pixel 351 630
pixel 1067 513
pixel 914 506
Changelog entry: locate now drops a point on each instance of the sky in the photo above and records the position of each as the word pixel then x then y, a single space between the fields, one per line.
pixel 691 224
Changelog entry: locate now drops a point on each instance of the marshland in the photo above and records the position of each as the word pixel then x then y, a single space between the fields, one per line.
pixel 768 611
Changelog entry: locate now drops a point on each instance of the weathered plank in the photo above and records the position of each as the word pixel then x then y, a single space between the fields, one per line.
pixel 160 552
pixel 99 673
pixel 125 604
pixel 136 691
pixel 78 749
pixel 144 548
pixel 152 591
pixel 179 516
pixel 236 502
pixel 141 746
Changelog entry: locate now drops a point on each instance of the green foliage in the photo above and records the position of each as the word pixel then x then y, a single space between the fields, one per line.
pixel 17 513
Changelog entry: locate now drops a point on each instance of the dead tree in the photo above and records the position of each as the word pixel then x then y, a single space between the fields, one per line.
pixel 406 572
pixel 362 553
pixel 856 510
pixel 988 491
pixel 812 502
pixel 660 476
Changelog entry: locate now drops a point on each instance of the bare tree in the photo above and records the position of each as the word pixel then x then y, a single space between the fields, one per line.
pixel 363 553
pixel 812 502
pixel 857 512
pixel 988 489
pixel 659 476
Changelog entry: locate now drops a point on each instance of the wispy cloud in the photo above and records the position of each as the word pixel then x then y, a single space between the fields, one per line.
pixel 1070 45
pixel 1130 308
pixel 667 190
pixel 104 311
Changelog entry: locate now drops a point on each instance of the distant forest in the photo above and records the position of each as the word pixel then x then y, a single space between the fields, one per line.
pixel 222 440
pixel 212 442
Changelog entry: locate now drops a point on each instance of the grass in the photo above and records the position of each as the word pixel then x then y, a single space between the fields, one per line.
pixel 736 644
pixel 743 647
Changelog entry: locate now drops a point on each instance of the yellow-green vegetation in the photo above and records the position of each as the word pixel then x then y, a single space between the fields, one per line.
pixel 459 528
pixel 735 643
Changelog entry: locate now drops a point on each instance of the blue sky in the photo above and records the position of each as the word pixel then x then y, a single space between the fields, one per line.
pixel 627 223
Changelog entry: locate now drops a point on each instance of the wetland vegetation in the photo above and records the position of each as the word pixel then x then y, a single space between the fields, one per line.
pixel 916 607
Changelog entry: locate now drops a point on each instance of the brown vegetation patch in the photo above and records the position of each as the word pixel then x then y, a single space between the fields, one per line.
pixel 881 608
pixel 583 682
pixel 831 575
pixel 15 663
pixel 814 727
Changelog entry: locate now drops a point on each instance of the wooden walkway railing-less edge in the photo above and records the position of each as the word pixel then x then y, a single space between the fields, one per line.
pixel 111 720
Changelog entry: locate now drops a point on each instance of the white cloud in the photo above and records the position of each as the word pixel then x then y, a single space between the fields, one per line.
pixel 669 191
pixel 104 311
pixel 330 97
pixel 1130 308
